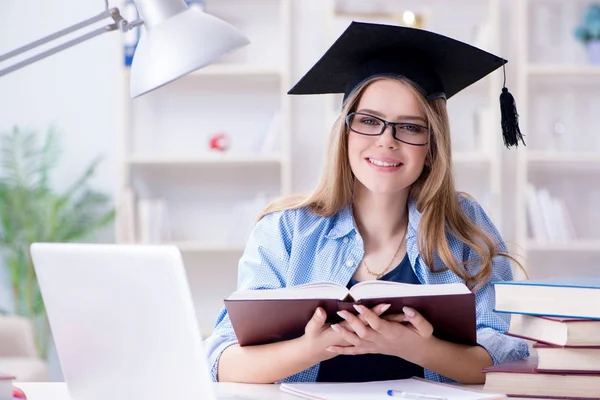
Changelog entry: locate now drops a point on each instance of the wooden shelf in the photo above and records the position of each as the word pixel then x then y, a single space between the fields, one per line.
pixel 576 245
pixel 204 247
pixel 204 160
pixel 582 162
pixel 471 157
pixel 566 70
pixel 548 156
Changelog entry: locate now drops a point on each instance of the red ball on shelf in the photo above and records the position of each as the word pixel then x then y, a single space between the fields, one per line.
pixel 219 142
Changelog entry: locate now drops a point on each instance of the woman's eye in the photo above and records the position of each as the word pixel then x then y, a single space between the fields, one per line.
pixel 369 121
pixel 414 129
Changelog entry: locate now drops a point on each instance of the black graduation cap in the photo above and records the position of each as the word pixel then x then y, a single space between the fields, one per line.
pixel 440 66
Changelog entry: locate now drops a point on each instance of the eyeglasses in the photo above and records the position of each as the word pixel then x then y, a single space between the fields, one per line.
pixel 405 132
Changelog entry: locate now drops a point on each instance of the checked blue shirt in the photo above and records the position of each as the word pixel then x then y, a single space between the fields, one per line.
pixel 295 247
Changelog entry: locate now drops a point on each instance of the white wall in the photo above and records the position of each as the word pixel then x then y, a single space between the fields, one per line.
pixel 77 90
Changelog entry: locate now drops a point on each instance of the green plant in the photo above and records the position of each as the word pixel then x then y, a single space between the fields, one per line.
pixel 31 211
pixel 589 30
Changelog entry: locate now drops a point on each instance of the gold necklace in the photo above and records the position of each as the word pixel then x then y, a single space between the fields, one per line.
pixel 380 274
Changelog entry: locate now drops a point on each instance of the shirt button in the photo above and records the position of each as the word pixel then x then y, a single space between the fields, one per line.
pixel 346 240
pixel 349 263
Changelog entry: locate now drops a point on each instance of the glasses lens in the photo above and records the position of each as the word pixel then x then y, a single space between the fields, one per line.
pixel 412 134
pixel 365 124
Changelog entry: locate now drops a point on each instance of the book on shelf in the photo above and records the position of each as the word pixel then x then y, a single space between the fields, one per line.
pixel 573 297
pixel 153 221
pixel 548 216
pixel 522 379
pixel 556 331
pixel 271 315
pixel 128 220
pixel 567 359
pixel 379 390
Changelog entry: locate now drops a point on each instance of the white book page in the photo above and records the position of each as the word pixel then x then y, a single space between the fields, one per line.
pixel 315 290
pixel 378 390
pixel 374 289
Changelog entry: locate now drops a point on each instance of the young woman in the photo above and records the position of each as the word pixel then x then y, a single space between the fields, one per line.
pixel 385 208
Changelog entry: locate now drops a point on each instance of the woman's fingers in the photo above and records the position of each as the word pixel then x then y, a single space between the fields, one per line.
pixel 354 324
pixel 316 322
pixel 421 325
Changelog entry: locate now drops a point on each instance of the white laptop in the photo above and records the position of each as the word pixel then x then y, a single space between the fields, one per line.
pixel 123 321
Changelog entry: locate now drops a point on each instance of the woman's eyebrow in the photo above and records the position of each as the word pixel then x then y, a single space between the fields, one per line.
pixel 398 118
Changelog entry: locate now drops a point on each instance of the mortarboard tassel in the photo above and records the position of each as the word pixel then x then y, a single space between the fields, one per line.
pixel 510 118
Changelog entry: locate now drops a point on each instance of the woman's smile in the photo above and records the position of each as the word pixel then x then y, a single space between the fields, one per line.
pixel 384 164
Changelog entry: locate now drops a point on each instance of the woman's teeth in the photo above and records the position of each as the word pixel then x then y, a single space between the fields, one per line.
pixel 382 163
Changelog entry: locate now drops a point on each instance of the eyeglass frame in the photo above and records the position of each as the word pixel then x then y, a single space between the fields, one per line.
pixel 385 125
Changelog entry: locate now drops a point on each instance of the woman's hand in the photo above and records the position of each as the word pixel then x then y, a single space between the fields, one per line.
pixel 318 335
pixel 387 335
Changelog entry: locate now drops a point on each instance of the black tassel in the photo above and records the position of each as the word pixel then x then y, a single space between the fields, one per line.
pixel 510 118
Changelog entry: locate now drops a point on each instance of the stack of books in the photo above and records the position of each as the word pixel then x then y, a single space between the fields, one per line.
pixel 561 317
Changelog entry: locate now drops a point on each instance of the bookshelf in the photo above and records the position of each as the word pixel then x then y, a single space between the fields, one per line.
pixel 474 113
pixel 211 198
pixel 558 104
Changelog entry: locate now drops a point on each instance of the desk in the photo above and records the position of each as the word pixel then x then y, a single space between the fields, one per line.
pixel 58 391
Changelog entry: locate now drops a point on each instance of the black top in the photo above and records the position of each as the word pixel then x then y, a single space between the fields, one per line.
pixel 373 367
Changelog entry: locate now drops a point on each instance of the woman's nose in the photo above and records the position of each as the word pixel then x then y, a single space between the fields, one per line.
pixel 386 139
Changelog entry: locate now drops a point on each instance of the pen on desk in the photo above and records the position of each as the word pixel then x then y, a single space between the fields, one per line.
pixel 413 396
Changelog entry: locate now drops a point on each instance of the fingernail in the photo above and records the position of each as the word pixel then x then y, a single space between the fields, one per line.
pixel 408 311
pixel 329 349
pixel 341 314
pixel 319 313
pixel 335 327
pixel 385 307
pixel 358 308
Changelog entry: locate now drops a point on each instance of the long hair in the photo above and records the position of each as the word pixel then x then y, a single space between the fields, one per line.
pixel 434 193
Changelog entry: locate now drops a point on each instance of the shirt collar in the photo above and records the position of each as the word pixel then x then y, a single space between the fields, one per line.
pixel 343 222
pixel 414 217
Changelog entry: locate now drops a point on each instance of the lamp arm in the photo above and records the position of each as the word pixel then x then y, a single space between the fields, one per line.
pixel 119 23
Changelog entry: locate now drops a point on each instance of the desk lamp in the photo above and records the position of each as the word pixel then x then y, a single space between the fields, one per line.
pixel 176 40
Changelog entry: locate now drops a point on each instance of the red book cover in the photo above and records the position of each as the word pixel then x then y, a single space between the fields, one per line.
pixel 540 345
pixel 555 385
pixel 565 319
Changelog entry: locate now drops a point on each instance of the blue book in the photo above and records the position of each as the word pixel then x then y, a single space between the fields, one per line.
pixel 567 297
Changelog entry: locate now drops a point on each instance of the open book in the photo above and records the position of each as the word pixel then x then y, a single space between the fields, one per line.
pixel 271 315
pixel 403 388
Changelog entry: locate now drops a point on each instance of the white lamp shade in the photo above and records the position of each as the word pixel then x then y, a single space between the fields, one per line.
pixel 179 45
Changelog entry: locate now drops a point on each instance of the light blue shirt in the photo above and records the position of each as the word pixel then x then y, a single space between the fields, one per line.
pixel 294 247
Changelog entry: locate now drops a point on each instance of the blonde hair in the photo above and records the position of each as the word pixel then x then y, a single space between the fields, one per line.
pixel 434 193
